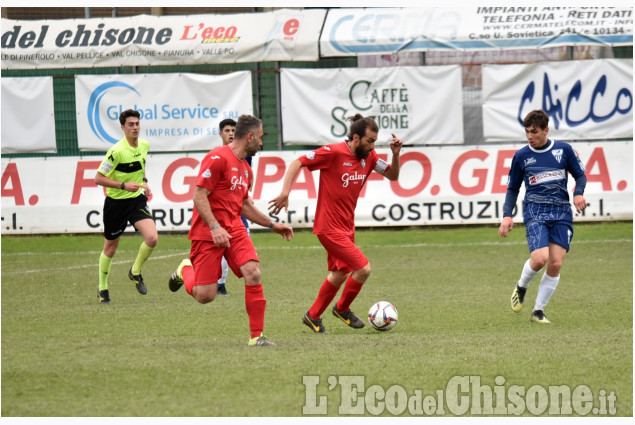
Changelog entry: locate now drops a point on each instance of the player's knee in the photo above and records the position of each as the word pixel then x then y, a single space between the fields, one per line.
pixel 205 294
pixel 362 274
pixel 152 241
pixel 554 266
pixel 205 298
pixel 252 274
pixel 538 260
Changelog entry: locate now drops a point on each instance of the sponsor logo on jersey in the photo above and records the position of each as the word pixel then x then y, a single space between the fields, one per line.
pixel 346 178
pixel 207 174
pixel 530 161
pixel 234 169
pixel 237 181
pixel 557 153
pixel 547 176
pixel 347 164
pixel 215 157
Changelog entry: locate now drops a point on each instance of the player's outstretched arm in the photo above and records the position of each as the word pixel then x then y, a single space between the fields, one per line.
pixel 282 201
pixel 250 212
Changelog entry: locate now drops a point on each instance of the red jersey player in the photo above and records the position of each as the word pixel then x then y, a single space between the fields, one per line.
pixel 221 196
pixel 344 168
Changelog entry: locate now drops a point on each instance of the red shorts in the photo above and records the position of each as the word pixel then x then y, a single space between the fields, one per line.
pixel 343 255
pixel 206 257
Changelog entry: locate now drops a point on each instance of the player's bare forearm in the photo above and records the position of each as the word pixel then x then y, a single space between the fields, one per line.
pixel 202 206
pixel 220 236
pixel 250 212
pixel 253 214
pixel 282 201
pixel 395 146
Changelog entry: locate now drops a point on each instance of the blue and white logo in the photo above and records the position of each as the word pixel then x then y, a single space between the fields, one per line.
pixel 94 118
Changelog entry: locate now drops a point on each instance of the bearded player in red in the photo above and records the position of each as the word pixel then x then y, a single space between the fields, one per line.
pixel 344 168
pixel 221 197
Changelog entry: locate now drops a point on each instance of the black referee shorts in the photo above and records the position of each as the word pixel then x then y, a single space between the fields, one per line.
pixel 118 212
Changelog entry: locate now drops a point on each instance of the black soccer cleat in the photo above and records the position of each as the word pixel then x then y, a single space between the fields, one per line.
pixel 139 283
pixel 517 298
pixel 538 316
pixel 260 341
pixel 175 282
pixel 222 290
pixel 315 324
pixel 176 279
pixel 104 296
pixel 348 317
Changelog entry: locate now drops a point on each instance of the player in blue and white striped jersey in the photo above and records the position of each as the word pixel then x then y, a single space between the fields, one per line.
pixel 544 166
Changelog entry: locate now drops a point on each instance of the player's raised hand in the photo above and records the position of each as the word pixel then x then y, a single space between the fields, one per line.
pixel 395 144
pixel 278 203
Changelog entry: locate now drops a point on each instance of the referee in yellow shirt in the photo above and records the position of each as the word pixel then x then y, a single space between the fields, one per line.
pixel 122 172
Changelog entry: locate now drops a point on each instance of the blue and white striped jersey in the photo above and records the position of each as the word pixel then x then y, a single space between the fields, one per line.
pixel 544 172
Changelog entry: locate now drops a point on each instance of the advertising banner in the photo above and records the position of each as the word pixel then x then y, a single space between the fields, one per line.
pixel 376 31
pixel 179 112
pixel 28 121
pixel 281 35
pixel 420 105
pixel 436 186
pixel 591 99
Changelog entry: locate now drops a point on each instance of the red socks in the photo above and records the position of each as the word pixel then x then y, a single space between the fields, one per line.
pixel 324 298
pixel 351 289
pixel 255 305
pixel 255 301
pixel 189 278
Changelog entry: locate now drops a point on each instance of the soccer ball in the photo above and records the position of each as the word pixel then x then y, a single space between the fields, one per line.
pixel 382 316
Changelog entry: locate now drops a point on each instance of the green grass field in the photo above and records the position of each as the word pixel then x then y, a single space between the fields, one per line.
pixel 163 354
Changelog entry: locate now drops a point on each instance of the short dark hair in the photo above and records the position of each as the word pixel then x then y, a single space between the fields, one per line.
pixel 127 114
pixel 224 123
pixel 246 124
pixel 360 124
pixel 539 118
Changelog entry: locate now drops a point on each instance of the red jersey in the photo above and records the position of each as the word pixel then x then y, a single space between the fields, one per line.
pixel 342 176
pixel 229 179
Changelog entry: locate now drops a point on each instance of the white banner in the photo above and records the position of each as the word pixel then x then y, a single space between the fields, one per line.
pixel 414 103
pixel 28 121
pixel 436 186
pixel 591 99
pixel 179 112
pixel 373 31
pixel 281 35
